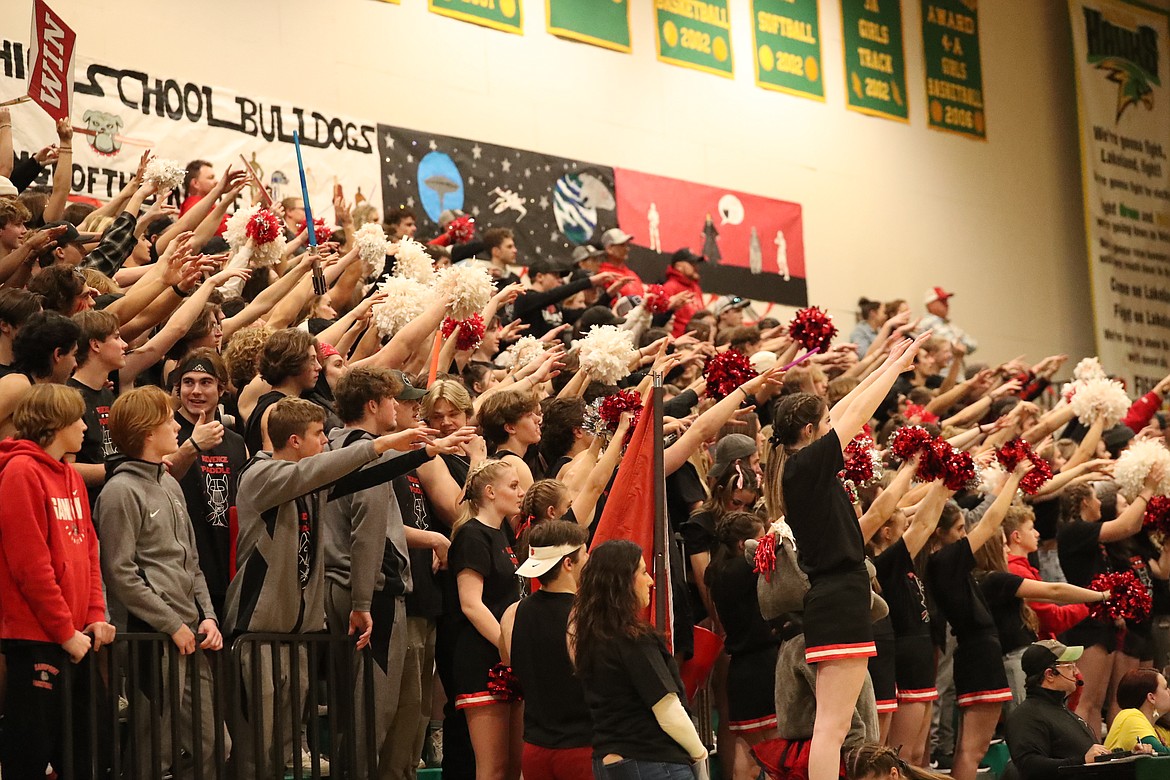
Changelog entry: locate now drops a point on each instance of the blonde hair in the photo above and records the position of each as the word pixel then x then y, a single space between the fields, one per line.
pixel 135 414
pixel 45 410
pixel 100 282
pixel 450 390
pixel 242 354
pixel 480 476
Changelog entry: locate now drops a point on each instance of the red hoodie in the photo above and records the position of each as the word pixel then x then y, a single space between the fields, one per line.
pixel 50 573
pixel 1054 618
pixel 676 283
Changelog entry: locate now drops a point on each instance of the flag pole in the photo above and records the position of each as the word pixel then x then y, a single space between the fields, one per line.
pixel 661 538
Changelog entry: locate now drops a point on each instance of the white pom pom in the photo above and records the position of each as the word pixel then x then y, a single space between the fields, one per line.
pixel 470 288
pixel 606 353
pixel 412 261
pixel 1099 397
pixel 164 174
pixel 1133 466
pixel 523 352
pixel 405 300
pixel 371 245
pixel 1088 368
pixel 236 230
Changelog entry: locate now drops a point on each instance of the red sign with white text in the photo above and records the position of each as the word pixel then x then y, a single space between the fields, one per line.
pixel 50 80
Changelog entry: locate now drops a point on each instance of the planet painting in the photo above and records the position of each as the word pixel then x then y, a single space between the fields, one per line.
pixel 576 200
pixel 440 185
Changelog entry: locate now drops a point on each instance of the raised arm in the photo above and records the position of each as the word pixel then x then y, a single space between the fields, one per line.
pixel 992 520
pixel 1129 522
pixel 856 409
pixel 926 519
pixel 884 505
pixel 62 172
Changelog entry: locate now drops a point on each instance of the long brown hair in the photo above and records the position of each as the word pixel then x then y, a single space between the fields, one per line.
pixel 792 414
pixel 991 557
pixel 875 760
pixel 606 606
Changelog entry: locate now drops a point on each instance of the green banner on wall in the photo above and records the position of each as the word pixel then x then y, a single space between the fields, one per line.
pixel 694 34
pixel 603 23
pixel 954 76
pixel 875 60
pixel 506 15
pixel 786 36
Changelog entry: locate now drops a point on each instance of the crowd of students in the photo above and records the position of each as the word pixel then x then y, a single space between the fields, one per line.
pixel 203 447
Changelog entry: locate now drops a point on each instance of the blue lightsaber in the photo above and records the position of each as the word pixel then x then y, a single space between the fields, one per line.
pixel 319 286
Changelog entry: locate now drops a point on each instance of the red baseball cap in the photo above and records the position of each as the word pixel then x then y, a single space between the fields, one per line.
pixel 937 294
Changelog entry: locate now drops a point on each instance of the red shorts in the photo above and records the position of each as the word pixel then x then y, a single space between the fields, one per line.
pixel 563 764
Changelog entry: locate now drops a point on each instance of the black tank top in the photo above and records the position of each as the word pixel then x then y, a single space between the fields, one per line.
pixel 253 436
pixel 555 713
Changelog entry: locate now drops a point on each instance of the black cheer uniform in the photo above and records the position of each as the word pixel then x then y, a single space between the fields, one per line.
pixel 1083 557
pixel 914 664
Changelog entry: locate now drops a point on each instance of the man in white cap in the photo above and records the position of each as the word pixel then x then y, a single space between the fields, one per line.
pixel 616 243
pixel 938 309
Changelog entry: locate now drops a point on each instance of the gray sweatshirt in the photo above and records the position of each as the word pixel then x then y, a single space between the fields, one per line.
pixel 149 559
pixel 275 498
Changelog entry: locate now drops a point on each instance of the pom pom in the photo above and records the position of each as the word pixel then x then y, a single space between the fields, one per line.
pixel 503 684
pixel 1089 368
pixel 765 561
pixel 909 441
pixel 371 245
pixel 1016 451
pixel 1129 599
pixel 959 471
pixel 263 227
pixel 863 463
pixel 727 371
pixel 243 230
pixel 523 352
pixel 918 414
pixel 470 332
pixel 606 353
pixel 164 174
pixel 592 423
pixel 1157 517
pixel 1133 466
pixel 614 405
pixel 1099 397
pixel 932 460
pixel 323 232
pixel 462 229
pixel 656 299
pixel 412 262
pixel 405 300
pixel 469 288
pixel 812 328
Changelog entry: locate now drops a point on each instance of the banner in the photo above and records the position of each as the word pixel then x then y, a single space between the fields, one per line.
pixel 875 59
pixel 1123 97
pixel 189 120
pixel 50 80
pixel 505 15
pixel 605 24
pixel 754 245
pixel 551 204
pixel 954 76
pixel 786 38
pixel 694 34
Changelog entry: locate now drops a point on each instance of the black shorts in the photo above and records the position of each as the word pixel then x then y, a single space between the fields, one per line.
pixel 914 668
pixel 837 620
pixel 979 674
pixel 475 656
pixel 1091 633
pixel 751 689
pixel 882 673
pixel 1138 641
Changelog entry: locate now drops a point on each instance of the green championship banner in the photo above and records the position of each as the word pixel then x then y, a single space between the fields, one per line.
pixel 954 77
pixel 875 60
pixel 506 15
pixel 694 34
pixel 1123 103
pixel 786 37
pixel 604 23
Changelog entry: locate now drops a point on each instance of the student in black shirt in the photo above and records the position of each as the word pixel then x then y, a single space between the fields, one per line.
pixel 801 484
pixel 100 352
pixel 539 307
pixel 636 698
pixel 16 306
pixel 558 732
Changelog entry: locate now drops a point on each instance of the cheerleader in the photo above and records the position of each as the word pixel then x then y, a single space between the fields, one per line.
pixel 801 483
pixel 484 567
pixel 878 762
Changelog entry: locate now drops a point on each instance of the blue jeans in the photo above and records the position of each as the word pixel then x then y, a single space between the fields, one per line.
pixel 633 769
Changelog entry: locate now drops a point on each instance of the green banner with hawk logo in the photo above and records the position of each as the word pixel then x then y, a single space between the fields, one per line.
pixel 954 75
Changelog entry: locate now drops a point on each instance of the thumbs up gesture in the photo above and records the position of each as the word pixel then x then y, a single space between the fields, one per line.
pixel 208 432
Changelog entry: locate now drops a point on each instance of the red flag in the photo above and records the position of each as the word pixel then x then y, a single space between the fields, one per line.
pixel 630 510
pixel 50 80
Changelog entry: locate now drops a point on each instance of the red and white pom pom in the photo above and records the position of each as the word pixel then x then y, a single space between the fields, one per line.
pixel 657 301
pixel 503 684
pixel 606 353
pixel 863 462
pixel 323 231
pixel 164 174
pixel 909 441
pixel 469 288
pixel 1017 450
pixel 1128 600
pixel 1099 397
pixel 812 328
pixel 462 229
pixel 726 371
pixel 470 332
pixel 959 470
pixel 412 262
pixel 405 300
pixel 1134 465
pixel 255 236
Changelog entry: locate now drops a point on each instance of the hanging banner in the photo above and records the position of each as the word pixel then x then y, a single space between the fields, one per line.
pixel 695 34
pixel 126 111
pixel 875 60
pixel 605 24
pixel 1123 98
pixel 954 76
pixel 754 245
pixel 50 81
pixel 786 38
pixel 505 15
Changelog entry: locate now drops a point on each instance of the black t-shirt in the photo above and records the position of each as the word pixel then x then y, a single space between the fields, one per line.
pixel 1082 557
pixel 555 714
pixel 902 589
pixel 828 537
pixel 209 490
pixel 457 467
pixel 253 435
pixel 948 572
pixel 684 489
pixel 96 446
pixel 698 533
pixel 426 600
pixel 1000 588
pixel 623 682
pixel 733 592
pixel 487 551
pixel 1047 517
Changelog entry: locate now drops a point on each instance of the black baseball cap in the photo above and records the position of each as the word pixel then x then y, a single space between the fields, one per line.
pixel 687 255
pixel 549 265
pixel 1046 654
pixel 408 392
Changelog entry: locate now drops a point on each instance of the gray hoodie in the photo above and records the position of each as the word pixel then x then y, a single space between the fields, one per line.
pixel 273 498
pixel 149 559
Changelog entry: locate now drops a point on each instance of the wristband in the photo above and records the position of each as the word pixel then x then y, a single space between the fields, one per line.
pixel 193 444
pixel 746 395
pixel 179 292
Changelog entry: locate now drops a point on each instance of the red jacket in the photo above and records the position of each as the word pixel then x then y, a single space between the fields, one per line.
pixel 50 574
pixel 676 283
pixel 629 288
pixel 1054 618
pixel 1142 411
